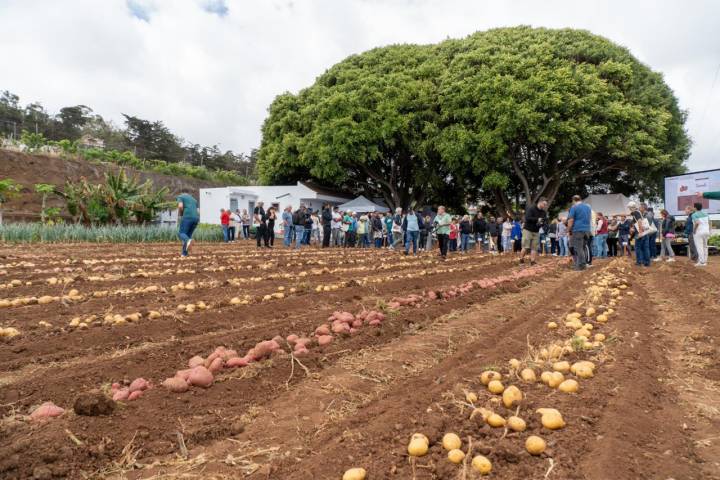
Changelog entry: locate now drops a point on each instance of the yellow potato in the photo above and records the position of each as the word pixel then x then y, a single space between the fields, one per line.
pixel 482 465
pixel 354 474
pixel 495 420
pixel 512 396
pixel 528 375
pixel 451 441
pixel 456 456
pixel 496 386
pixel 569 386
pixel 516 424
pixel 488 376
pixel 535 445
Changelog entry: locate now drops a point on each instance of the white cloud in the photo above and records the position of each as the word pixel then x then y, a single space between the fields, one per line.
pixel 210 68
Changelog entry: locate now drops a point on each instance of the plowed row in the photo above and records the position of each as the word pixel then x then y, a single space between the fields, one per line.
pixel 354 402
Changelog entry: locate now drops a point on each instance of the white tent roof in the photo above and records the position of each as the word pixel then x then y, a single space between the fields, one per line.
pixel 362 205
pixel 608 204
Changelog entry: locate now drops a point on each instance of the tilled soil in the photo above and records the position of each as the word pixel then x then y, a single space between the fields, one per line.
pixel 650 411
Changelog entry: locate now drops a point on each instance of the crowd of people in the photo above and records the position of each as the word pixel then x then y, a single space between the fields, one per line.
pixel 582 234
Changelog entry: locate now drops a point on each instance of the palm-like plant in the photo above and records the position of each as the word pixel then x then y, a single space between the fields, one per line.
pixel 120 193
pixel 149 204
pixel 44 189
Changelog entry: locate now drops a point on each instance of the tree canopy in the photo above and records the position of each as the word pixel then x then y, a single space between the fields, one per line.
pixel 502 114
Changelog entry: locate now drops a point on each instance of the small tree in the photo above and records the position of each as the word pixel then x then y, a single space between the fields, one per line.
pixel 44 189
pixel 8 189
pixel 33 141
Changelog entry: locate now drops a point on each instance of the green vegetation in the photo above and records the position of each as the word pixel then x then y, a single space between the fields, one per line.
pixel 8 189
pixel 152 145
pixel 505 114
pixel 62 233
pixel 714 241
pixel 118 201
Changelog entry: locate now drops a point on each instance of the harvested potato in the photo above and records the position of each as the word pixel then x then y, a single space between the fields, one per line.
pixel 569 386
pixel 556 378
pixel 514 363
pixel 451 441
pixel 417 447
pixel 552 325
pixel 551 418
pixel 482 465
pixel 535 445
pixel 512 396
pixel 562 367
pixel 354 474
pixel 489 375
pixel 495 420
pixel 545 376
pixel 496 386
pixel 516 424
pixel 456 455
pixel 528 375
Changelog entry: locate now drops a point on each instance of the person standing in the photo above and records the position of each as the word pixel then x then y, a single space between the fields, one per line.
pixel 411 226
pixel 535 219
pixel 225 224
pixel 298 220
pixel 553 236
pixel 480 232
pixel 579 219
pixel 701 233
pixel 601 248
pixel 376 226
pixel 189 219
pixel 652 241
pixel 642 235
pixel 316 228
pixel 309 226
pixel 326 218
pixel 388 222
pixel 245 220
pixel 624 236
pixel 612 240
pixel 507 235
pixel 363 232
pixel 516 234
pixel 428 224
pixel 562 234
pixel 689 227
pixel 453 235
pixel 288 227
pixel 270 232
pixel 260 219
pixel 234 225
pixel 397 228
pixel 465 233
pixel 667 233
pixel 442 223
pixel 336 228
pixel 492 234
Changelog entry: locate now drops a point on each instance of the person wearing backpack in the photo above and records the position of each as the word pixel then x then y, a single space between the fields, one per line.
pixel 668 233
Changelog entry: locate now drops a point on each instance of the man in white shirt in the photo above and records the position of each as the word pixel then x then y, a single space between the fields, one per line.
pixel 337 235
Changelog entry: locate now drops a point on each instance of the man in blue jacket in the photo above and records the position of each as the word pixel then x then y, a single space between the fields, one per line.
pixel 578 220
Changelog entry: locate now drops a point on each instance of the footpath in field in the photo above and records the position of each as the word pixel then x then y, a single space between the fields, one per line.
pixel 645 407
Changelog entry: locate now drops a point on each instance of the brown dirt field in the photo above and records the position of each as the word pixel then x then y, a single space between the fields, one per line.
pixel 29 169
pixel 651 411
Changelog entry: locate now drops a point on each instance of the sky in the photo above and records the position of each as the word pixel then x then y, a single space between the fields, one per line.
pixel 209 69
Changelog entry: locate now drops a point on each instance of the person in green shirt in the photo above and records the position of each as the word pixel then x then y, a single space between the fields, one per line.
pixel 442 229
pixel 188 210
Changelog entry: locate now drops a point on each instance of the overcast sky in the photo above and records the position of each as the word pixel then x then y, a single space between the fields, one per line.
pixel 210 68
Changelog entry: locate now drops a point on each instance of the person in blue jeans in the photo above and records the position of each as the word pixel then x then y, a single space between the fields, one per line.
pixel 578 224
pixel 465 233
pixel 287 222
pixel 642 236
pixel 411 225
pixel 188 210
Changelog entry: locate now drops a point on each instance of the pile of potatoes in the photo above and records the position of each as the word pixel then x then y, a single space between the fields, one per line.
pixel 131 392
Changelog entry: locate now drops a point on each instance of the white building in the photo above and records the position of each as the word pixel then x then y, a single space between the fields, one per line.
pixel 280 196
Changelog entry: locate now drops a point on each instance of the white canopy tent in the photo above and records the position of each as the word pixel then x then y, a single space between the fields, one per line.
pixel 609 204
pixel 362 205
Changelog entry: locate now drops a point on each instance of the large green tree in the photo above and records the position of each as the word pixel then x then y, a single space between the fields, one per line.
pixel 502 114
pixel 369 124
